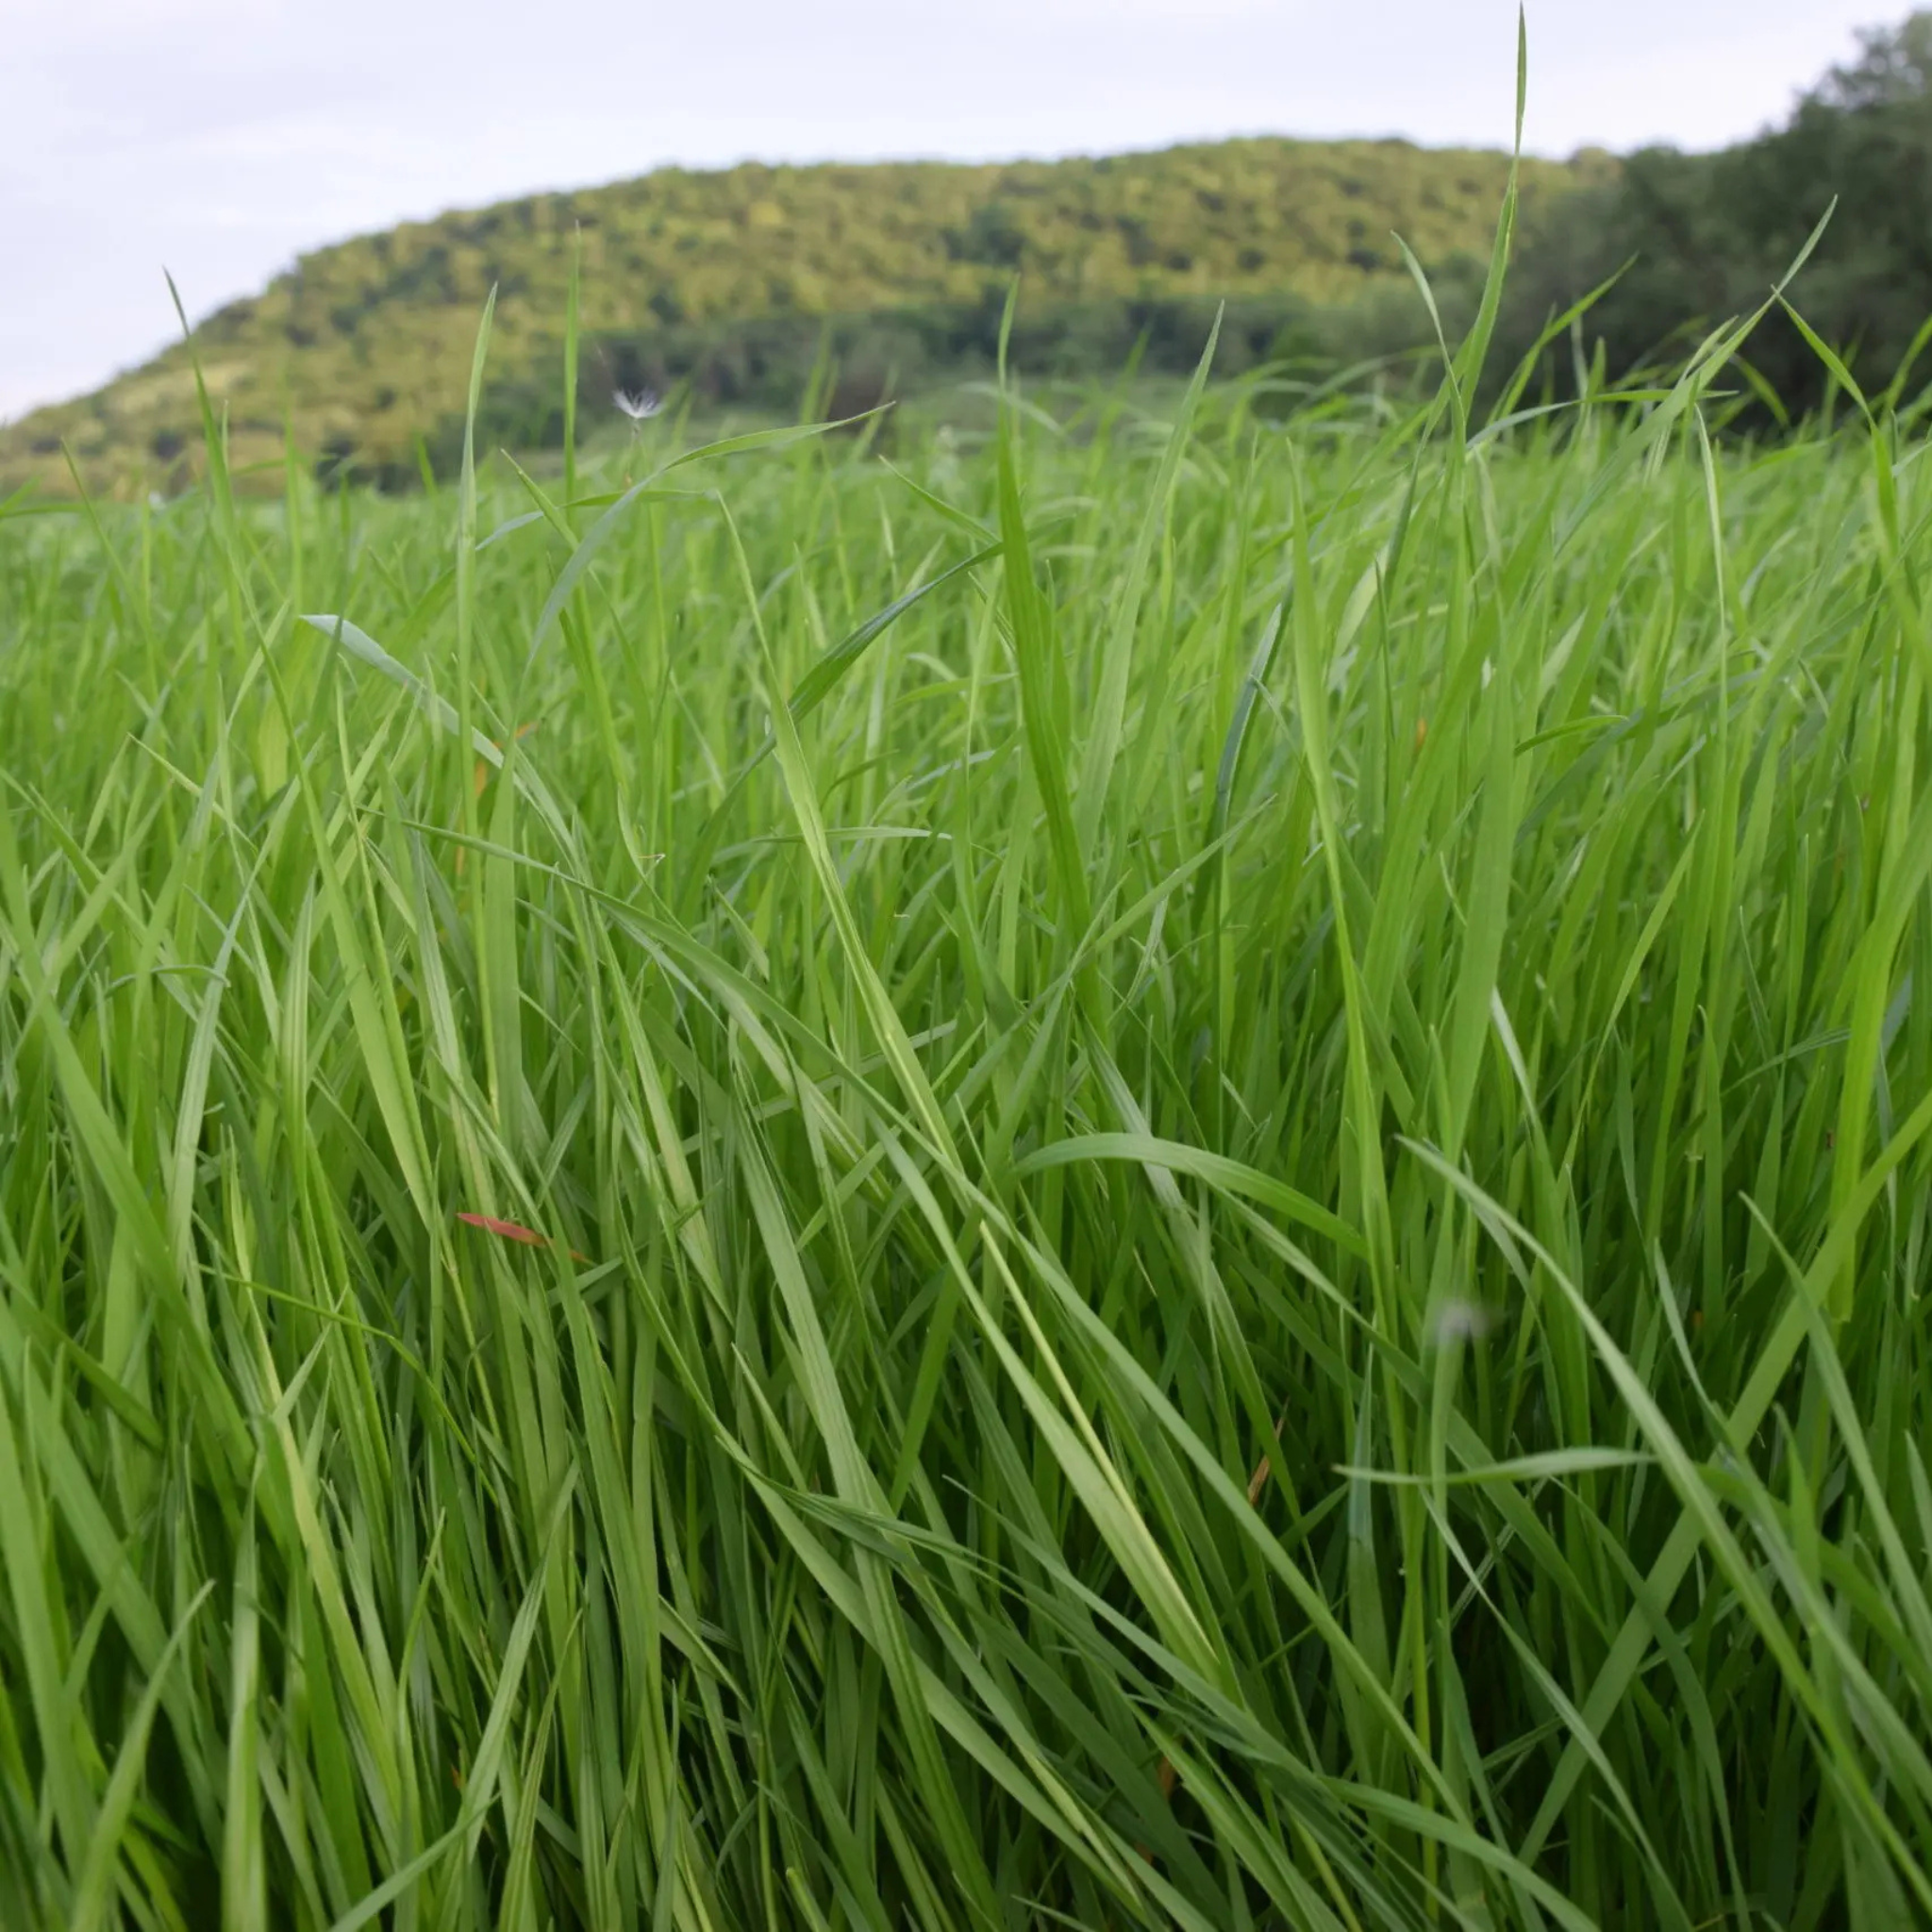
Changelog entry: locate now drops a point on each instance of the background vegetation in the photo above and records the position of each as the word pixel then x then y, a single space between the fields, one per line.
pixel 754 289
pixel 1701 236
pixel 729 281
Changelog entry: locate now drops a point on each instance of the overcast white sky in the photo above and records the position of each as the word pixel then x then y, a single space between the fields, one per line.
pixel 220 138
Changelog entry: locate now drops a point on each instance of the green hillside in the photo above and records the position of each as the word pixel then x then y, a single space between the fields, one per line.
pixel 364 346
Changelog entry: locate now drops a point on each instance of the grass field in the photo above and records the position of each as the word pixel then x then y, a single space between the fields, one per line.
pixel 1153 1172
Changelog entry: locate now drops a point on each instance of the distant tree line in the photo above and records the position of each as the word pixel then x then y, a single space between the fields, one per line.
pixel 1685 242
pixel 843 364
pixel 735 287
pixel 1701 238
pixel 728 281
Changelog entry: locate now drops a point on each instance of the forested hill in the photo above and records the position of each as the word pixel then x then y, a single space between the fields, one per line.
pixel 364 347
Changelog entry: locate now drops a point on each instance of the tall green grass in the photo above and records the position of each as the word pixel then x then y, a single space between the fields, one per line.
pixel 1207 1146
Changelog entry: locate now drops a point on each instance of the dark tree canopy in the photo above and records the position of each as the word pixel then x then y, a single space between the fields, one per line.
pixel 1705 236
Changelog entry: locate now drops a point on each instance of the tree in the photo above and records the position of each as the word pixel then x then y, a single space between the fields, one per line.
pixel 1893 69
pixel 1701 238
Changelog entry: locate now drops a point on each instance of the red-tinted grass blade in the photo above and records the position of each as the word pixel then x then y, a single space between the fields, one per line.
pixel 513 1231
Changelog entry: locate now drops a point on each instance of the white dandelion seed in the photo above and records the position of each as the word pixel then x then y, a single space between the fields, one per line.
pixel 1458 1319
pixel 639 405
